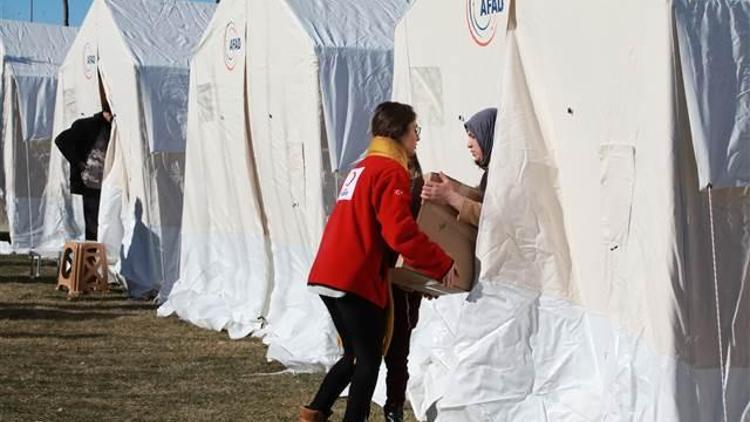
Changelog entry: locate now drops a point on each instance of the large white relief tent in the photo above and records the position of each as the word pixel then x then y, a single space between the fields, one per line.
pixel 447 75
pixel 606 258
pixel 281 98
pixel 31 55
pixel 138 51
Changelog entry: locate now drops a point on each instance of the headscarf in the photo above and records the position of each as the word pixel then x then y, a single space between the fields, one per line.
pixel 482 126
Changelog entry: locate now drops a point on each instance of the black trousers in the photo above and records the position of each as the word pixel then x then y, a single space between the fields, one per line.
pixel 361 326
pixel 405 317
pixel 91 199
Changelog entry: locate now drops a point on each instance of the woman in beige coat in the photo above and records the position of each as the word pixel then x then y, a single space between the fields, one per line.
pixel 480 131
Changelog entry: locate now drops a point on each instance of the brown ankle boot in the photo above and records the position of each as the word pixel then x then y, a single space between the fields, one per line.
pixel 309 415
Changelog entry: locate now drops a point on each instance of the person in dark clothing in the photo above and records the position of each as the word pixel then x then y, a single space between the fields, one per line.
pixel 405 316
pixel 84 145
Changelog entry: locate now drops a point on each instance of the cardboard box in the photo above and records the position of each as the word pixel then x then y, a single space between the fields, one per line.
pixel 458 239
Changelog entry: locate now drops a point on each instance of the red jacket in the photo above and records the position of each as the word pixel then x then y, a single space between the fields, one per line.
pixel 372 216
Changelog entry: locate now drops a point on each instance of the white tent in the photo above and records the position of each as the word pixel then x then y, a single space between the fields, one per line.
pixel 603 261
pixel 30 56
pixel 270 131
pixel 140 49
pixel 447 89
pixel 447 75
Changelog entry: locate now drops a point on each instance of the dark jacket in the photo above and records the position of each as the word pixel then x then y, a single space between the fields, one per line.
pixel 417 182
pixel 75 145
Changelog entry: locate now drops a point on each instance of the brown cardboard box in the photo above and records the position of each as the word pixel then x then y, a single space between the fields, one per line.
pixel 457 239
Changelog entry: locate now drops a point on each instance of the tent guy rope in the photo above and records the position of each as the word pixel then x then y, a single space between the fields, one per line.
pixel 718 310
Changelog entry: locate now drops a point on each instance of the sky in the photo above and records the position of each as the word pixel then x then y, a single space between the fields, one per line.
pixel 48 11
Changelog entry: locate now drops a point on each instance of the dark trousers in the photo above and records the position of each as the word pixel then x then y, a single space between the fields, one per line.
pixel 405 317
pixel 91 199
pixel 361 326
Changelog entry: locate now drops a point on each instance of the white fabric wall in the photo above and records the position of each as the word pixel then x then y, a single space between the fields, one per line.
pixel 247 254
pixel 31 55
pixel 127 44
pixel 595 298
pixel 25 167
pixel 447 89
pixel 353 41
pixel 135 244
pixel 286 128
pixel 225 273
pixel 447 75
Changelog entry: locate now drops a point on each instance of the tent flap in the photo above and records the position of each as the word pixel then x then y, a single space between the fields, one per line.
pixel 36 97
pixel 353 83
pixel 165 102
pixel 714 46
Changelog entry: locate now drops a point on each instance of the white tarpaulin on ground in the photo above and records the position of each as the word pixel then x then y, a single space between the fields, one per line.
pixel 31 55
pixel 597 297
pixel 141 50
pixel 269 134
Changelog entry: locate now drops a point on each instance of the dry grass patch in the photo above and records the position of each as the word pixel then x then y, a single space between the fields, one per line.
pixel 107 358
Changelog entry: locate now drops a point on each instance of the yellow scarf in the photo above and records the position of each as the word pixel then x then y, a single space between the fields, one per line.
pixel 390 148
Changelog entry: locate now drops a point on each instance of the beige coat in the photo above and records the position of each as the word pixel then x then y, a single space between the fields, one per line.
pixel 470 212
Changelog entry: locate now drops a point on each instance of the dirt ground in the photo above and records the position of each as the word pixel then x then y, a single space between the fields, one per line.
pixel 106 358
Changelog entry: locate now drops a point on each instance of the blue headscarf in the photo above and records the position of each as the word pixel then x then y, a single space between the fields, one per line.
pixel 482 126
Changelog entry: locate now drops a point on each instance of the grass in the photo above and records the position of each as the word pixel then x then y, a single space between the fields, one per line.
pixel 107 358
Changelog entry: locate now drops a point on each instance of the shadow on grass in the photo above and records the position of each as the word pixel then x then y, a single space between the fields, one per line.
pixel 22 335
pixel 99 297
pixel 15 313
pixel 92 306
pixel 27 280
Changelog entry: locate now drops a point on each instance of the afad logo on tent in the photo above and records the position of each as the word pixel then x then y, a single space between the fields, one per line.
pixel 89 61
pixel 482 17
pixel 232 46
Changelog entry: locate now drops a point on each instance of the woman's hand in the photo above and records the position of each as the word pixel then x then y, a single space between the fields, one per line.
pixel 442 192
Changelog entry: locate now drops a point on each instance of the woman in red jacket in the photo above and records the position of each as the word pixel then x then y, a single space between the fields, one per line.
pixel 372 217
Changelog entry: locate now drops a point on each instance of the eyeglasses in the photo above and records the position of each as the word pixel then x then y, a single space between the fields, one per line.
pixel 418 130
